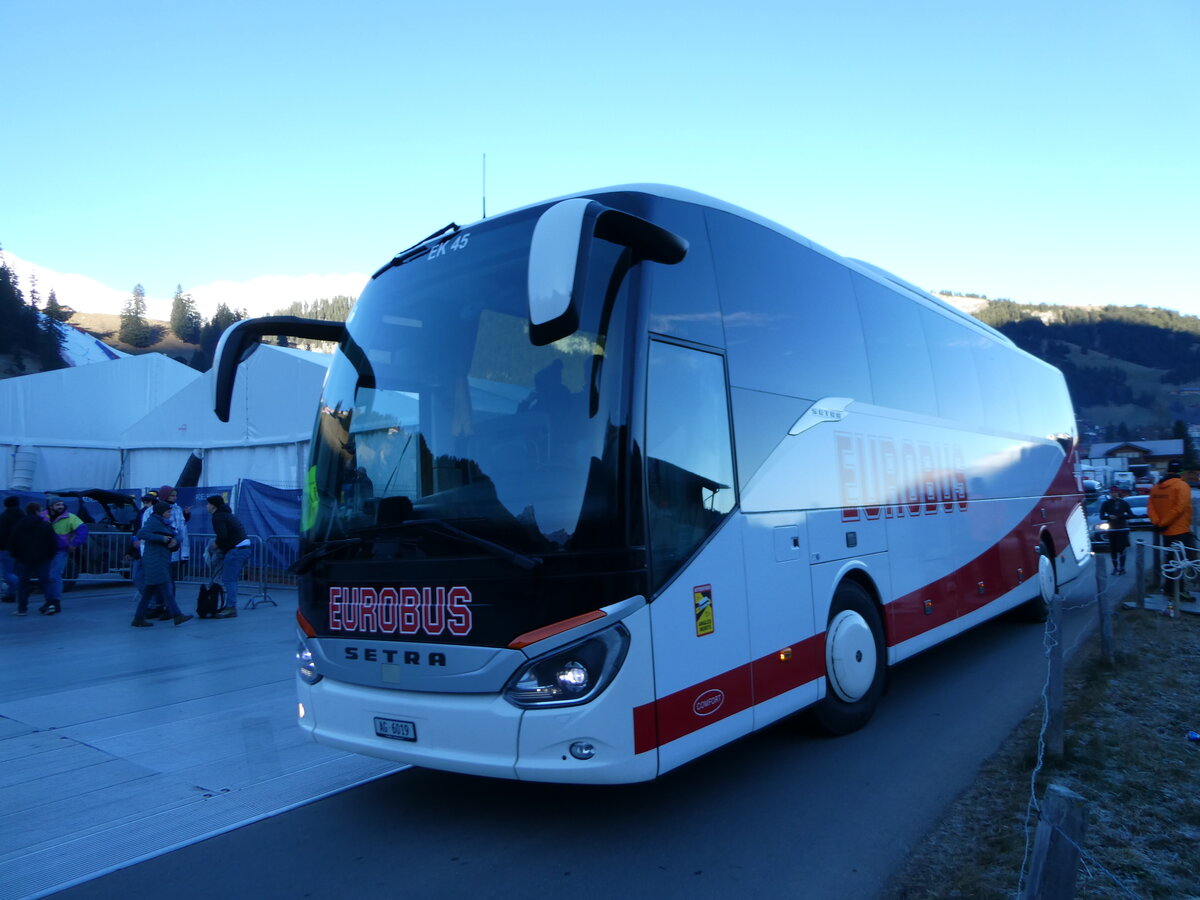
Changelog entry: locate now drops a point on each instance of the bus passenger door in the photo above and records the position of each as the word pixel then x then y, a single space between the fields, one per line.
pixel 699 619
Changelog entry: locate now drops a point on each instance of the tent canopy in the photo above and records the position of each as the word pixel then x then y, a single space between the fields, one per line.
pixel 64 428
pixel 88 406
pixel 266 438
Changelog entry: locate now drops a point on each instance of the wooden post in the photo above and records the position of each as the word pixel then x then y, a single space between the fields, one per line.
pixel 1060 833
pixel 1106 633
pixel 1055 690
pixel 1139 566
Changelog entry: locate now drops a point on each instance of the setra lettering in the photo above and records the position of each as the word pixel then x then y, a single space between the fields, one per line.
pixel 383 654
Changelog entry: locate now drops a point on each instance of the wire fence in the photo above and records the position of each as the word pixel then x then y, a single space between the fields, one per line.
pixel 1172 568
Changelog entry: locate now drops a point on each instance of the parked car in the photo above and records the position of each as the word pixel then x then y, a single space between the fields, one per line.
pixel 1139 521
pixel 106 514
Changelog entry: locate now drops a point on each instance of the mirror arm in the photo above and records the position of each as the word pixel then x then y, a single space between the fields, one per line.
pixel 647 240
pixel 242 338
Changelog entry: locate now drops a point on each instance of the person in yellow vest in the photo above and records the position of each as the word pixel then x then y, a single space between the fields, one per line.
pixel 1170 510
pixel 71 532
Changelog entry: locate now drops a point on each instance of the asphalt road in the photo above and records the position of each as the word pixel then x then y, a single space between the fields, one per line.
pixel 783 812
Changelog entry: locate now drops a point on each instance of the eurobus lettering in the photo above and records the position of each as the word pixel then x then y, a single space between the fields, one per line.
pixel 913 478
pixel 406 610
pixel 601 484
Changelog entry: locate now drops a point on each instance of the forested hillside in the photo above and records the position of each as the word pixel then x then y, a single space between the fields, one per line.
pixel 1132 370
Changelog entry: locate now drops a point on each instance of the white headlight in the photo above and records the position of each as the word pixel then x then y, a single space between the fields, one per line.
pixel 572 674
pixel 573 677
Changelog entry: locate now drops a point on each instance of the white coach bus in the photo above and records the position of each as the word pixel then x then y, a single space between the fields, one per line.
pixel 604 483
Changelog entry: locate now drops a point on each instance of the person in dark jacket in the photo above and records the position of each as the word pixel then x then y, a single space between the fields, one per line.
pixel 8 573
pixel 231 541
pixel 33 545
pixel 158 543
pixel 135 553
pixel 1117 513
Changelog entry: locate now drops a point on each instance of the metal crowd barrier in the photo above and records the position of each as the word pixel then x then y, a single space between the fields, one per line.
pixel 102 560
pixel 266 568
pixel 105 558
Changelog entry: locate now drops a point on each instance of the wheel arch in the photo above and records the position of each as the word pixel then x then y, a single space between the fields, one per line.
pixel 1046 539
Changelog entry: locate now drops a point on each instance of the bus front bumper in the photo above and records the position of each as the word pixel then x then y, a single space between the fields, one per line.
pixel 479 734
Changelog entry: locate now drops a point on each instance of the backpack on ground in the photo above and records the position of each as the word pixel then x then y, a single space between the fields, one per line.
pixel 210 600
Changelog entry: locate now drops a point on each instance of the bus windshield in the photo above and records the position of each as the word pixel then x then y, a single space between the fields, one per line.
pixel 443 432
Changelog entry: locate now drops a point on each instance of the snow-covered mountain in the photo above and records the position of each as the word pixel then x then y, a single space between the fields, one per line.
pixel 258 296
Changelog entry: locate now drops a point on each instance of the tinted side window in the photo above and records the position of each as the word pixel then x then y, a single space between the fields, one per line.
pixel 791 318
pixel 760 422
pixel 997 382
pixel 955 380
pixel 1050 415
pixel 901 375
pixel 683 297
pixel 689 463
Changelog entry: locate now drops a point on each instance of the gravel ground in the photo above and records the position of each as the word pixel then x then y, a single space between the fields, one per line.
pixel 1126 753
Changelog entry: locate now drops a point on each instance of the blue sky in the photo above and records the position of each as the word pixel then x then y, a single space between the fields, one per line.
pixel 1040 151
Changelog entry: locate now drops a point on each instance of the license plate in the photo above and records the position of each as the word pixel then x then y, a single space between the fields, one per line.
pixel 396 729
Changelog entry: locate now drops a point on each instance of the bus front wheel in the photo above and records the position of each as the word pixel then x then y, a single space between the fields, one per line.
pixel 855 661
pixel 1038 609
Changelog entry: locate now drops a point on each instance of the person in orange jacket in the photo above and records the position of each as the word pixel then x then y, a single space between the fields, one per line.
pixel 1170 510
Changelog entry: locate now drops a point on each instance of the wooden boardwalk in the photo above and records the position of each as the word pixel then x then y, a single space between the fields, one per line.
pixel 118 744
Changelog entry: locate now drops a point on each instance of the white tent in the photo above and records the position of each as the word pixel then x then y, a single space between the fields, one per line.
pixel 62 429
pixel 266 438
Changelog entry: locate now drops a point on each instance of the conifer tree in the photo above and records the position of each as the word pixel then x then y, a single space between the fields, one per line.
pixel 185 320
pixel 135 330
pixel 26 340
pixel 17 318
pixel 57 311
pixel 211 333
pixel 52 341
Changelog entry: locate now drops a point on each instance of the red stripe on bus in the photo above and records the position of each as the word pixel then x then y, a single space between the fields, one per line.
pixel 1002 567
pixel 699 705
pixel 1008 563
pixel 774 676
pixel 691 709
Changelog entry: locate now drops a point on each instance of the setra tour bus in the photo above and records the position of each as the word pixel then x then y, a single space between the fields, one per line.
pixel 604 483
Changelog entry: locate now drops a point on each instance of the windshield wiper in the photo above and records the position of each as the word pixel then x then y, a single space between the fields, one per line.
pixel 309 559
pixel 513 556
pixel 420 248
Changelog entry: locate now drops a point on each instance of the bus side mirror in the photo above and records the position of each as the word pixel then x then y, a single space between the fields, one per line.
pixel 558 259
pixel 242 338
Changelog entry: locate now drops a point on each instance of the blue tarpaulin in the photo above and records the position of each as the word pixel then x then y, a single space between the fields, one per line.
pixel 199 521
pixel 273 515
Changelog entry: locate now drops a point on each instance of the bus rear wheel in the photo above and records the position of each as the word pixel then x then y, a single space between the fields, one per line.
pixel 855 662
